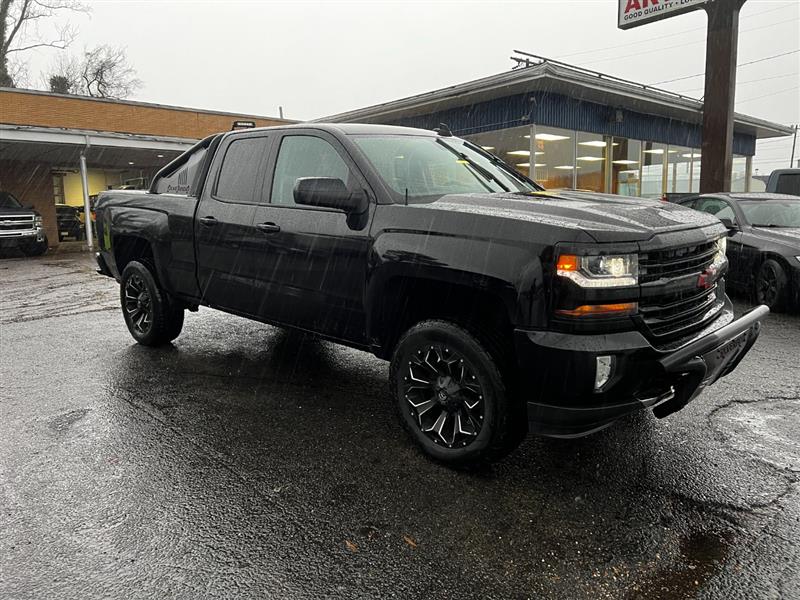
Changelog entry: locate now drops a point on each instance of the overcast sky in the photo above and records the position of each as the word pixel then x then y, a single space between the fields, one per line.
pixel 320 58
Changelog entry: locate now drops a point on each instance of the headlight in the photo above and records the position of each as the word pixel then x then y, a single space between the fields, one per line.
pixel 719 258
pixel 37 221
pixel 722 245
pixel 610 270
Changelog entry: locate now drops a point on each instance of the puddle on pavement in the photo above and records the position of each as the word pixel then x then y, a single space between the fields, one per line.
pixel 702 555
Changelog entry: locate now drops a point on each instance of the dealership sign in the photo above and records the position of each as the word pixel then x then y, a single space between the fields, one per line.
pixel 633 13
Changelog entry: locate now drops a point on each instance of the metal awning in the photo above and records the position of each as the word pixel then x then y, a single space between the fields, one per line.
pixel 551 77
pixel 62 147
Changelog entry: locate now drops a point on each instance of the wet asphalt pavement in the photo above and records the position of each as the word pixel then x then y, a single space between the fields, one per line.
pixel 243 462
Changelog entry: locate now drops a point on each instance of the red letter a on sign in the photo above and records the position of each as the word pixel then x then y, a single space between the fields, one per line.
pixel 633 4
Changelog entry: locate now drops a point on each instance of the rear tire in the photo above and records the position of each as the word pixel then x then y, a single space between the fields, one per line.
pixel 451 396
pixel 771 286
pixel 151 316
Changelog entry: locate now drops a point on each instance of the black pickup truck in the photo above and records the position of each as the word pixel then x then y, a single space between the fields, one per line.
pixel 21 227
pixel 503 308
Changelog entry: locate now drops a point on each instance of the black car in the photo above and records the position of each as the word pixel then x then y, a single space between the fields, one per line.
pixel 763 243
pixel 69 221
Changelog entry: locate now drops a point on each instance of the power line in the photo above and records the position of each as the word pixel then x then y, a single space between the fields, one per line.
pixel 752 62
pixel 610 58
pixel 738 83
pixel 661 37
pixel 767 95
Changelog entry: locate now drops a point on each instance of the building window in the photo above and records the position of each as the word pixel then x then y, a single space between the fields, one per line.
pixel 626 167
pixel 512 145
pixel 679 170
pixel 591 162
pixel 696 161
pixel 653 169
pixel 739 173
pixel 554 157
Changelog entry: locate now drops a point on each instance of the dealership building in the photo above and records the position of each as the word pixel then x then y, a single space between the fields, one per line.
pixel 565 126
pixel 569 127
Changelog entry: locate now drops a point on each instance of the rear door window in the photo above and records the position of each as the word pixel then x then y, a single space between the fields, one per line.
pixel 788 183
pixel 715 206
pixel 240 168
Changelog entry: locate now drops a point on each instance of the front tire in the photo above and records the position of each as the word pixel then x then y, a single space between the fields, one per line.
pixel 34 248
pixel 771 285
pixel 151 316
pixel 451 396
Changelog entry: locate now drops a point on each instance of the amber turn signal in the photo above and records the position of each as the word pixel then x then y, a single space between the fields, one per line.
pixel 600 310
pixel 567 262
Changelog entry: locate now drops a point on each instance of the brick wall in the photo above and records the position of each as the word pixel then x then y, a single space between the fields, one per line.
pixel 24 107
pixel 32 184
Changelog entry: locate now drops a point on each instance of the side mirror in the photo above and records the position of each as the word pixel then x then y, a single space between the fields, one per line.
pixel 729 225
pixel 329 192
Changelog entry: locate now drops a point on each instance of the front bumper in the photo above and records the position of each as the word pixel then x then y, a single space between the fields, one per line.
pixel 561 369
pixel 13 238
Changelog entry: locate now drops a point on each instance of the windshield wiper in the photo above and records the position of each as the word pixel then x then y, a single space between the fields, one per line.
pixel 488 175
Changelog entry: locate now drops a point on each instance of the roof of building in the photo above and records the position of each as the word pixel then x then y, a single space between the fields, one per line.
pixel 552 76
pixel 143 104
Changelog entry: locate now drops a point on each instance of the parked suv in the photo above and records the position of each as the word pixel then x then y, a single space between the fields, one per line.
pixel 502 307
pixel 21 227
pixel 69 221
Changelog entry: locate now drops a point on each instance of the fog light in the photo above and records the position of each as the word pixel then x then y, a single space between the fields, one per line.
pixel 605 364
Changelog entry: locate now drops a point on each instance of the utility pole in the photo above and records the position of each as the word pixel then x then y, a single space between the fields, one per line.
pixel 720 90
pixel 794 141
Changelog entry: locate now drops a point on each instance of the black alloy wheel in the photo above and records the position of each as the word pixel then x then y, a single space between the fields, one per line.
pixel 451 394
pixel 152 316
pixel 444 395
pixel 138 304
pixel 770 286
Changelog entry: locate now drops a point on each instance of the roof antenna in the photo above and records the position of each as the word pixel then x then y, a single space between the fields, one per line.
pixel 443 130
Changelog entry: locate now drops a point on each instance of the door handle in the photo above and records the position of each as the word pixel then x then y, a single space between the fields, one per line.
pixel 268 227
pixel 208 221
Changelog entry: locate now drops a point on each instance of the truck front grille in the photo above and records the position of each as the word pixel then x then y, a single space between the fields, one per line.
pixel 677 314
pixel 10 223
pixel 676 262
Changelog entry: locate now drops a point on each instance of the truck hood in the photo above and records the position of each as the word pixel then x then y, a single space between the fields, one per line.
pixel 604 217
pixel 17 212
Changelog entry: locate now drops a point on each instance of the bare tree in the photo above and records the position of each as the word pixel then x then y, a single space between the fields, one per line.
pixel 20 29
pixel 105 73
pixel 102 72
pixel 64 76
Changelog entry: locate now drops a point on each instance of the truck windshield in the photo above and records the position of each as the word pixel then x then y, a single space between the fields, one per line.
pixel 425 167
pixel 8 201
pixel 771 213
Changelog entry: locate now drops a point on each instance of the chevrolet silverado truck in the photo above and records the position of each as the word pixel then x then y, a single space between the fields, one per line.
pixel 21 227
pixel 503 308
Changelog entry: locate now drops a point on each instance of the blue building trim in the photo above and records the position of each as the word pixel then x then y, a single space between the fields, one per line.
pixel 557 110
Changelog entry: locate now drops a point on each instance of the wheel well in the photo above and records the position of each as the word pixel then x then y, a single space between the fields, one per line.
pixel 781 260
pixel 406 301
pixel 128 248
